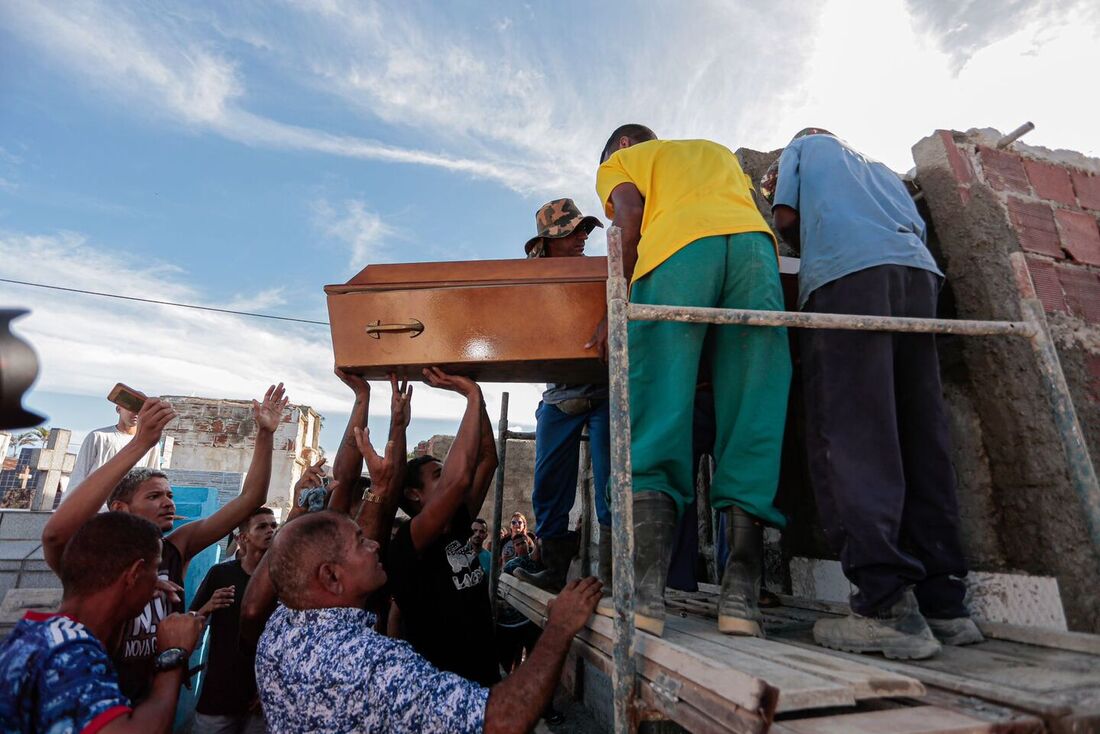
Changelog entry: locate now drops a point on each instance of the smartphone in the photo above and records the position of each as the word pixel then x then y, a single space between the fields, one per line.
pixel 127 397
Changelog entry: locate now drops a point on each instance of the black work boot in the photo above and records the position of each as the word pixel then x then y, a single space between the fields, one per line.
pixel 603 561
pixel 738 611
pixel 557 554
pixel 654 533
pixel 898 632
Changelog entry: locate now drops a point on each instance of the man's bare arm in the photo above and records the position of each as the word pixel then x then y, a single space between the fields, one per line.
pixel 786 221
pixel 487 462
pixel 629 206
pixel 348 464
pixel 88 497
pixel 257 606
pixel 516 703
pixel 387 472
pixel 458 469
pixel 193 537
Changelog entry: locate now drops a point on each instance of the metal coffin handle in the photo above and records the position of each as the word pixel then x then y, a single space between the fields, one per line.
pixel 415 327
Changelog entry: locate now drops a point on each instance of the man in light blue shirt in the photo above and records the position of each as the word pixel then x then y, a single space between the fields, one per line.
pixel 876 428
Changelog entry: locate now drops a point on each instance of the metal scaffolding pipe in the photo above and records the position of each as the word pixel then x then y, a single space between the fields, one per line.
pixel 622 497
pixel 800 320
pixel 498 495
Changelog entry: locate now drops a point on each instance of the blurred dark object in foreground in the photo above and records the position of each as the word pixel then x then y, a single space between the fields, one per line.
pixel 18 371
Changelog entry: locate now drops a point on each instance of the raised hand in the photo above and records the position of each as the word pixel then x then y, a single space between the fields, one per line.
pixel 269 412
pixel 170 590
pixel 455 383
pixel 358 385
pixel 400 403
pixel 381 468
pixel 313 476
pixel 152 418
pixel 574 605
pixel 599 340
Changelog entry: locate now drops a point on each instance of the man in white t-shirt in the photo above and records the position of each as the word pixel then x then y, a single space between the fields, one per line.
pixel 103 443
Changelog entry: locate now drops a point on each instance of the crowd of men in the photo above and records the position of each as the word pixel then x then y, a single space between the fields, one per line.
pixel 343 620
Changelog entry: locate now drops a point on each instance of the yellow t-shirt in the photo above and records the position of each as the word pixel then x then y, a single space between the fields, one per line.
pixel 692 189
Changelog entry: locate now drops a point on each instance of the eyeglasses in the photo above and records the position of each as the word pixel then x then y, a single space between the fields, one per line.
pixel 517 522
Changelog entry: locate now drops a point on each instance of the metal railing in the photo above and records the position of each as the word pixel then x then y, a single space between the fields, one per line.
pixel 620 312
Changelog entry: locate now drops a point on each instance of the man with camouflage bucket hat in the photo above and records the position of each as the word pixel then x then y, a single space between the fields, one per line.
pixel 561 416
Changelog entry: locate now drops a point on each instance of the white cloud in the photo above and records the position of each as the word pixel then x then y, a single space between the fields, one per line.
pixel 86 344
pixel 360 230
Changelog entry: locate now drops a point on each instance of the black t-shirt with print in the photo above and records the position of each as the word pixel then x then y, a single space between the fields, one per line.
pixel 137 654
pixel 443 594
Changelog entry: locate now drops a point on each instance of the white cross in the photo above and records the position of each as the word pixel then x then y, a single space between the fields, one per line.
pixel 52 462
pixel 25 476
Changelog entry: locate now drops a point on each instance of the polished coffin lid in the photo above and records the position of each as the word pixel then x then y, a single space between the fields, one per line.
pixel 495 320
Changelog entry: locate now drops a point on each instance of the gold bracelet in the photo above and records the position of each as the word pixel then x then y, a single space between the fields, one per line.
pixel 370 496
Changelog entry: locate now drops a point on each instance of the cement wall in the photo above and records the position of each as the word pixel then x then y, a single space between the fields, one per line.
pixel 1018 508
pixel 220 435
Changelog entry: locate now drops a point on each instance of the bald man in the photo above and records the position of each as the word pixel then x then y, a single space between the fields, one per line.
pixel 321 667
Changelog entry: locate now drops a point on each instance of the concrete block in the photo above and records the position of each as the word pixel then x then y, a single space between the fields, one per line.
pixel 17 550
pixel 22 525
pixel 1003 171
pixel 816 578
pixel 1050 181
pixel 1087 187
pixel 1081 287
pixel 1034 223
pixel 17 602
pixel 1047 285
pixel 1080 235
pixel 1033 601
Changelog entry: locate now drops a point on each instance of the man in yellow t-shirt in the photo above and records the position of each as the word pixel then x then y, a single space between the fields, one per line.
pixel 692 236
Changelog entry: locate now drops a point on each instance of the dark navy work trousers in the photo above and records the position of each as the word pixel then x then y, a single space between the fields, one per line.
pixel 557 451
pixel 878 443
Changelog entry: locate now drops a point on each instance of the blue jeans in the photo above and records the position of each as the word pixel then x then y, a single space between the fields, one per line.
pixel 557 451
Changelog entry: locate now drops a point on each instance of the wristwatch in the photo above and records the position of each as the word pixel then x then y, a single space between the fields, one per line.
pixel 170 659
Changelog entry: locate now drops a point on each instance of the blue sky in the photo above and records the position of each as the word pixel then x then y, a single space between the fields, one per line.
pixel 245 154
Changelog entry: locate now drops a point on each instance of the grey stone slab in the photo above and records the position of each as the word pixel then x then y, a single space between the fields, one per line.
pixel 39 580
pixel 17 550
pixel 22 525
pixel 18 602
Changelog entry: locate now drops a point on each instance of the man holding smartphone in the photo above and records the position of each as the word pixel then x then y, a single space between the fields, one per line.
pixel 146 493
pixel 103 443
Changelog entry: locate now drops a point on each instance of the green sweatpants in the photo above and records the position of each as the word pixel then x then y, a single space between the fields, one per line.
pixel 750 369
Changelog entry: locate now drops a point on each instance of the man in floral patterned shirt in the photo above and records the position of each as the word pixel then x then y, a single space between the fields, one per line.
pixel 321 667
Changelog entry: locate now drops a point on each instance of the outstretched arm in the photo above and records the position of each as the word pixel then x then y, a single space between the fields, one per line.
pixel 486 466
pixel 193 537
pixel 348 464
pixel 516 703
pixel 257 606
pixel 387 472
pixel 458 469
pixel 84 501
pixel 629 205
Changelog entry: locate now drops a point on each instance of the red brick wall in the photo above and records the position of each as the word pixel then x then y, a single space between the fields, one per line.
pixel 1054 209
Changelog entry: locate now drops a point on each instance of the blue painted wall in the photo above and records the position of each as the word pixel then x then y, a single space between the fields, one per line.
pixel 193 503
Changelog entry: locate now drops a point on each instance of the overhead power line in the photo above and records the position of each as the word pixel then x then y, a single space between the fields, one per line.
pixel 162 303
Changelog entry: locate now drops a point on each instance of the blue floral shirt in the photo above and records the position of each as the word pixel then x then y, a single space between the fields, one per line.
pixel 327 670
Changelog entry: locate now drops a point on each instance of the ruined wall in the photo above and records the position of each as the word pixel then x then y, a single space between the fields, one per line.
pixel 220 435
pixel 1018 508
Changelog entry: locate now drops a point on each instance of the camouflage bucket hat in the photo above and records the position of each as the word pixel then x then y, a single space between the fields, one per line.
pixel 555 220
pixel 771 176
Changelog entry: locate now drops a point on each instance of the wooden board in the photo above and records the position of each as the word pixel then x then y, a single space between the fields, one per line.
pixel 738 670
pixel 908 720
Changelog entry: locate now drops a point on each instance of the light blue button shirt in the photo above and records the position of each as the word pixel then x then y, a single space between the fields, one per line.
pixel 854 213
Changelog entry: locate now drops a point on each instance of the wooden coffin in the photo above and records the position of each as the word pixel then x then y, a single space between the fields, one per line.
pixel 494 320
